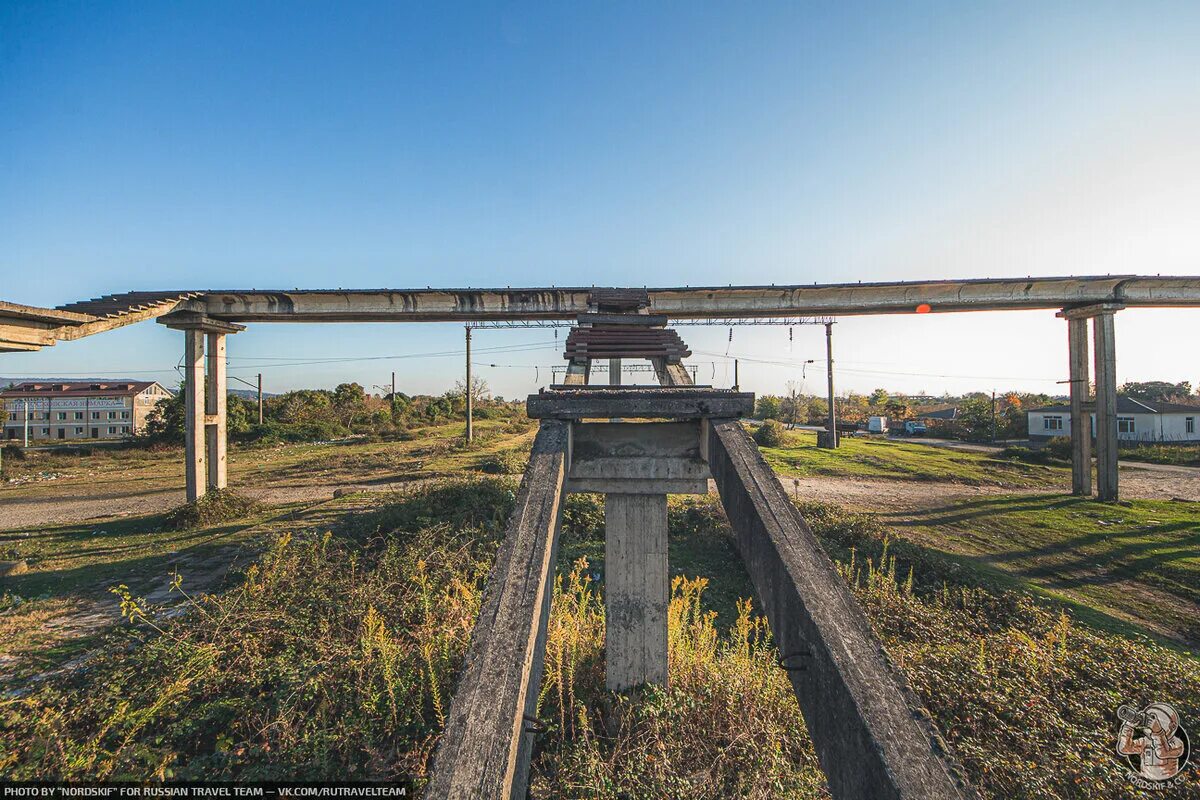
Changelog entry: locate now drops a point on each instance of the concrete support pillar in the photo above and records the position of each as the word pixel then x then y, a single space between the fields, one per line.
pixel 214 407
pixel 635 590
pixel 614 372
pixel 1081 423
pixel 204 406
pixel 194 407
pixel 1106 405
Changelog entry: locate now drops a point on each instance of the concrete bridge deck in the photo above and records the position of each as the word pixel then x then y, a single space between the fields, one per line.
pixel 25 328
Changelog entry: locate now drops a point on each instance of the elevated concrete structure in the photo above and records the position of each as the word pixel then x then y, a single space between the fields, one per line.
pixel 29 327
pixel 872 736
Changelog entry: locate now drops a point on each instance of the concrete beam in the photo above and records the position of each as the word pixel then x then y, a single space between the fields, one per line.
pixel 595 440
pixel 18 347
pixel 664 403
pixel 671 373
pixel 872 736
pixel 17 311
pixel 197 321
pixel 638 486
pixel 34 333
pixel 636 588
pixel 445 305
pixel 485 747
pixel 1089 311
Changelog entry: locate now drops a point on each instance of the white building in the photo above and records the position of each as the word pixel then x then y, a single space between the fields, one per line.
pixel 78 410
pixel 1137 421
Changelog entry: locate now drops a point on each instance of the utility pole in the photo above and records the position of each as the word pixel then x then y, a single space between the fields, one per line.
pixel 25 406
pixel 470 399
pixel 393 386
pixel 260 398
pixel 735 374
pixel 993 416
pixel 832 438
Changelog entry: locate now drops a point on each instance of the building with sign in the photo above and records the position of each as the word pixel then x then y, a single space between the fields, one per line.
pixel 79 410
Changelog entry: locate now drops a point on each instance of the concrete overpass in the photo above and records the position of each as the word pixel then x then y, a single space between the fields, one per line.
pixel 214 313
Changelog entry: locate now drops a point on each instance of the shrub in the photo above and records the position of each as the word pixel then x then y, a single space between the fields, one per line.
pixel 215 507
pixel 505 462
pixel 769 434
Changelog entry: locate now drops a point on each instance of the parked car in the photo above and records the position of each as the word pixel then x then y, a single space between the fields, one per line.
pixel 877 424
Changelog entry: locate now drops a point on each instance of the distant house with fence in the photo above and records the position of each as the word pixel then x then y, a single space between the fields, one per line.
pixel 1137 421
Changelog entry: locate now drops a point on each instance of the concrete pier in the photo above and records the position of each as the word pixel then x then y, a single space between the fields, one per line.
pixel 1106 405
pixel 1081 419
pixel 636 586
pixel 194 409
pixel 205 430
pixel 214 408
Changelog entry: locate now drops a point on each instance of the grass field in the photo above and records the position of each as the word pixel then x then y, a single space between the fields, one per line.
pixel 1133 567
pixel 883 458
pixel 321 637
pixel 1179 454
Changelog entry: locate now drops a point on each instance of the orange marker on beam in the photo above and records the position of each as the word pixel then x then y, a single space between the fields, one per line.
pixel 924 308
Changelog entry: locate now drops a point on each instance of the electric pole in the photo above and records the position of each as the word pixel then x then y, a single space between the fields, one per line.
pixel 25 406
pixel 470 400
pixel 260 398
pixel 832 440
pixel 993 416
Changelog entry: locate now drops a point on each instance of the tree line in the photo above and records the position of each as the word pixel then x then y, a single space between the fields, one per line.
pixel 306 415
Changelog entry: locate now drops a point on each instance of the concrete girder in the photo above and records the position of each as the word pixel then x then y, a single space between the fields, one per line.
pixel 434 305
pixel 871 734
pixel 487 740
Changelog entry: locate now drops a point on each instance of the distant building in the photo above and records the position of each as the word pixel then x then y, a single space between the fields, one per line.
pixel 78 410
pixel 1137 421
pixel 937 415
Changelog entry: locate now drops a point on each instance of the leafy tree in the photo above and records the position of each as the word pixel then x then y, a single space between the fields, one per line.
pixel 767 407
pixel 897 409
pixel 165 422
pixel 349 400
pixel 1156 391
pixel 975 417
pixel 879 398
pixel 238 411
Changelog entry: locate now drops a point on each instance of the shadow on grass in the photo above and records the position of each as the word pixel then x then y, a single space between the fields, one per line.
pixel 134 551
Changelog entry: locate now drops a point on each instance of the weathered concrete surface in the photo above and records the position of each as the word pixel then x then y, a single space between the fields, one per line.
pixel 1081 428
pixel 485 747
pixel 872 736
pixel 643 403
pixel 636 582
pixel 645 458
pixel 1104 347
pixel 443 305
pixel 214 406
pixel 194 408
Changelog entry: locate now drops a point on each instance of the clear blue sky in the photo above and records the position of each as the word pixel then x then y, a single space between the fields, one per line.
pixel 275 145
